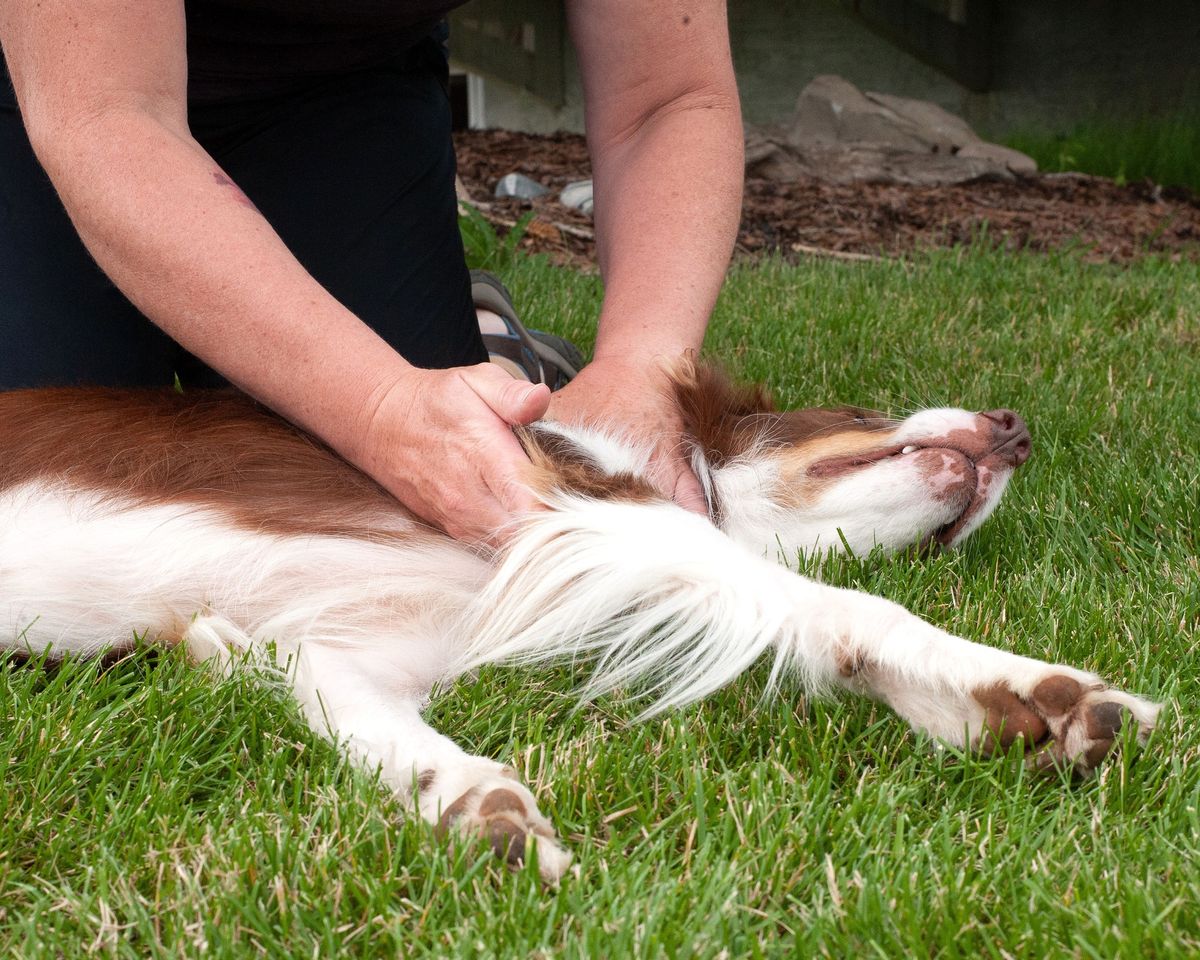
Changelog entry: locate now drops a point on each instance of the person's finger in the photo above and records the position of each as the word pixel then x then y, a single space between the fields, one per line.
pixel 507 484
pixel 503 464
pixel 518 501
pixel 513 401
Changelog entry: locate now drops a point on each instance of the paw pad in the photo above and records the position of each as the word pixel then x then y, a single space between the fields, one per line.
pixel 1071 723
pixel 503 812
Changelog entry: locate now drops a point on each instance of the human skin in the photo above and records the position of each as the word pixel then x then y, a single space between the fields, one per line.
pixel 664 130
pixel 102 90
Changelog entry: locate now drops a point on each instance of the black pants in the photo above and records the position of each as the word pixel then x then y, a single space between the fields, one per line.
pixel 356 175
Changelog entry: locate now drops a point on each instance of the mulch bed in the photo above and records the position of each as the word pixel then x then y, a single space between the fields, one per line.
pixel 1098 218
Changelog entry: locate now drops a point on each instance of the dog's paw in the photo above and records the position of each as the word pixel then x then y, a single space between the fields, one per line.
pixel 500 809
pixel 1070 723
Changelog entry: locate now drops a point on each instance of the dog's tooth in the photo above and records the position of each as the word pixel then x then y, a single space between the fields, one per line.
pixel 909 449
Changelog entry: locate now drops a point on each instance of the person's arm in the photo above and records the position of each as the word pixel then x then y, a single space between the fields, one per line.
pixel 665 133
pixel 102 90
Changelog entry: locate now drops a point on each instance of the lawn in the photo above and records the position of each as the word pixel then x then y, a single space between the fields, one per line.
pixel 1165 150
pixel 150 809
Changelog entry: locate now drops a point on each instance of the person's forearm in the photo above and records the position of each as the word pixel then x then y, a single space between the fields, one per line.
pixel 668 200
pixel 191 252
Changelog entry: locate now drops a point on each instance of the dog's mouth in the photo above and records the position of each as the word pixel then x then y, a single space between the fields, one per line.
pixel 948 532
pixel 837 466
pixel 966 486
pixel 975 473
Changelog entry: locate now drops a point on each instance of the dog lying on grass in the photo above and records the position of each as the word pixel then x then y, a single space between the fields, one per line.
pixel 206 521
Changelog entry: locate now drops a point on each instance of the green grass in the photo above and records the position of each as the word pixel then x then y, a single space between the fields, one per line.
pixel 485 248
pixel 1164 150
pixel 153 810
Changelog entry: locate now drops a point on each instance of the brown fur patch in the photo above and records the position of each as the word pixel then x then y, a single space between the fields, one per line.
pixel 425 779
pixel 1095 754
pixel 456 810
pixel 508 840
pixel 1057 695
pixel 727 420
pixel 1104 720
pixel 716 413
pixel 214 449
pixel 1008 717
pixel 812 423
pixel 561 464
pixel 498 801
pixel 850 663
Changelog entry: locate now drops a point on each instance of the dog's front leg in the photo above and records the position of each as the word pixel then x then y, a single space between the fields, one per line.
pixel 658 598
pixel 965 693
pixel 348 695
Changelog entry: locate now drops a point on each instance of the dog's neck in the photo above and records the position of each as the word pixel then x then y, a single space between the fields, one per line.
pixel 743 501
pixel 737 493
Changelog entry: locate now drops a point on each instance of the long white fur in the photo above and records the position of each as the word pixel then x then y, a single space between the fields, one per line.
pixel 653 596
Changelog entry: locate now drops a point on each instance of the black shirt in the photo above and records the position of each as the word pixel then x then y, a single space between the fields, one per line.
pixel 250 48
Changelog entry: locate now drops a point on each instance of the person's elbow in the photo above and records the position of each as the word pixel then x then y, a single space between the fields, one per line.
pixel 710 100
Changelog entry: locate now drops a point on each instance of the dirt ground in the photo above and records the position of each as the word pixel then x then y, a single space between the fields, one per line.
pixel 1102 220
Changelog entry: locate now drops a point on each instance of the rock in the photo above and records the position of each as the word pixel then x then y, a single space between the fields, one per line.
pixel 842 135
pixel 833 110
pixel 520 186
pixel 1013 160
pixel 942 129
pixel 578 196
pixel 773 160
pixel 874 164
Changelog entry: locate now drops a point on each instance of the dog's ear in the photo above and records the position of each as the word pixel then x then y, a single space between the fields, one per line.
pixel 797 426
pixel 558 462
pixel 718 414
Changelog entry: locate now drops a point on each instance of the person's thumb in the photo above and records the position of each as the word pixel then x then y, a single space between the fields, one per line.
pixel 513 401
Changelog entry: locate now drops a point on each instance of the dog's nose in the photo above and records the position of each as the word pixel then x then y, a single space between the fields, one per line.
pixel 1010 436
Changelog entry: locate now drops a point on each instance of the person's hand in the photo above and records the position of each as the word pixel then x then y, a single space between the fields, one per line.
pixel 441 442
pixel 633 397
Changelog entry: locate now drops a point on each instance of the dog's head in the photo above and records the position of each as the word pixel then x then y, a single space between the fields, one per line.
pixel 820 479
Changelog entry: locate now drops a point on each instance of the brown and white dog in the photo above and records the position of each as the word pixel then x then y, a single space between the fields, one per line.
pixel 205 520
